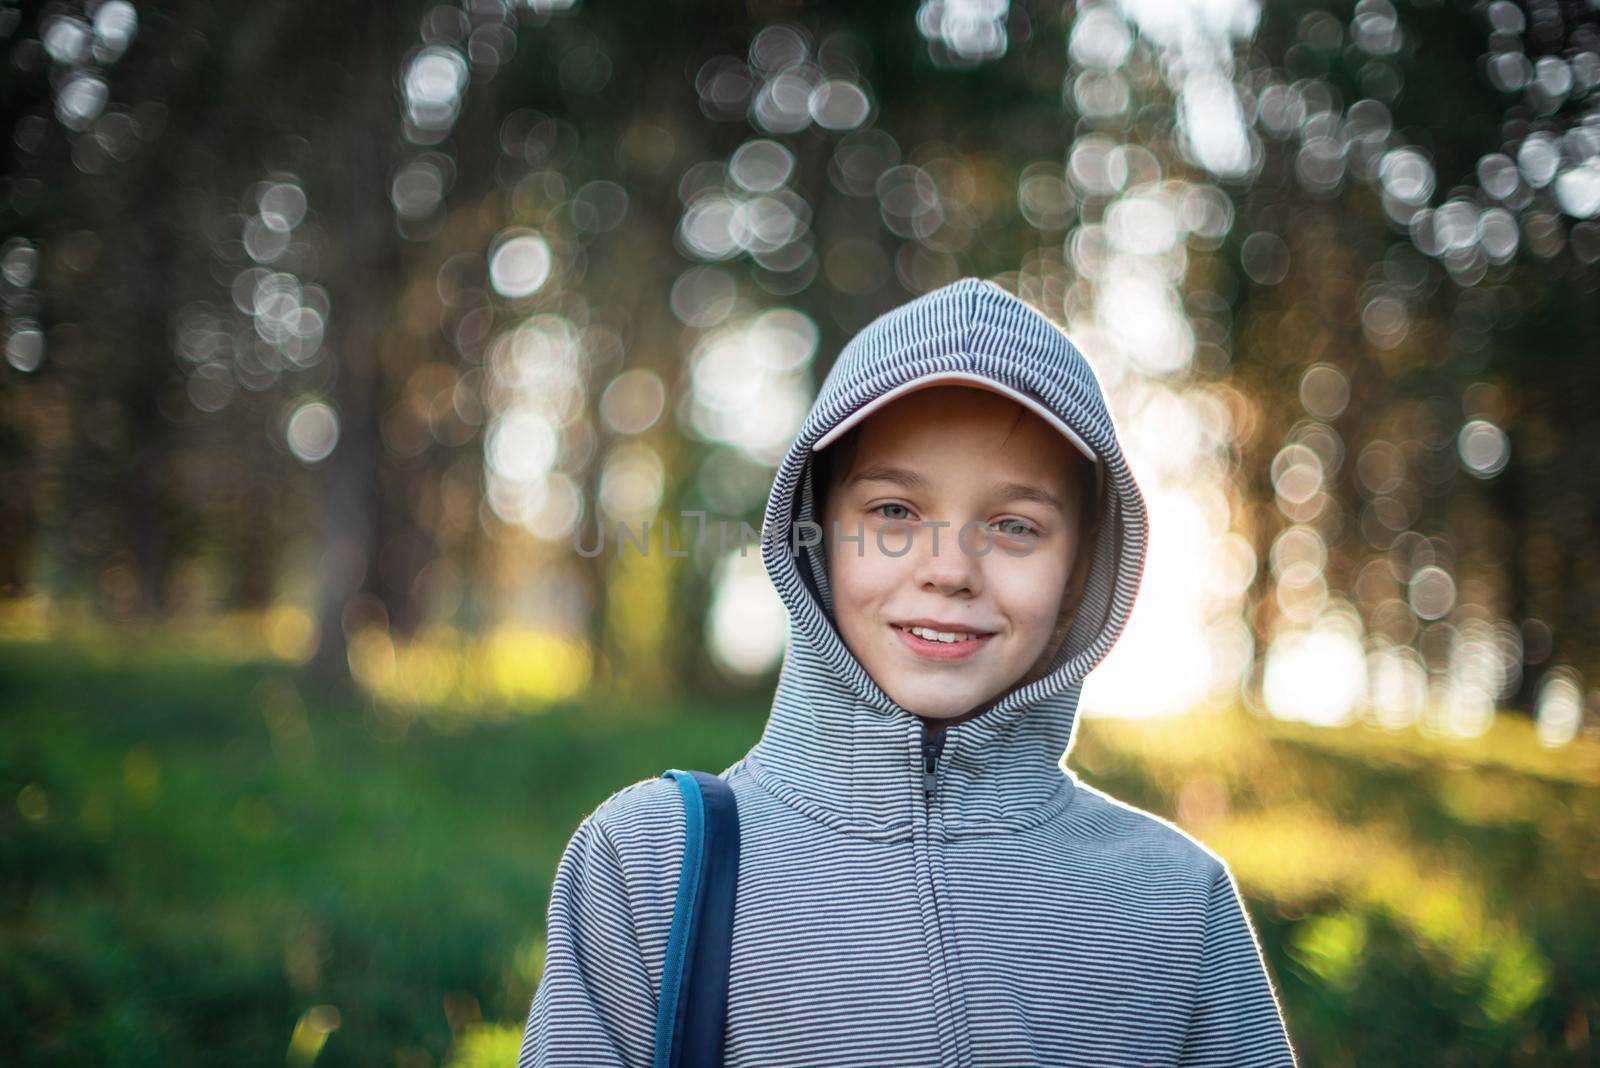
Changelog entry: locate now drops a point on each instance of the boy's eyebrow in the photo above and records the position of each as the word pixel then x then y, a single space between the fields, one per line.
pixel 1007 491
pixel 1023 491
pixel 903 476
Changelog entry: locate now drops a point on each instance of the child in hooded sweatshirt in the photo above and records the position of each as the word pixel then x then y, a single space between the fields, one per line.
pixel 922 880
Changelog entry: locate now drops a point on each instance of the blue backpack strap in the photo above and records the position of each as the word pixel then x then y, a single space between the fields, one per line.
pixel 692 1014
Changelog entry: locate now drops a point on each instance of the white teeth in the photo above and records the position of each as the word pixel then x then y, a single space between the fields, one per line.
pixel 941 635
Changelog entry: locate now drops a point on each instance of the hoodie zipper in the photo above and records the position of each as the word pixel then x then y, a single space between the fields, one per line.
pixel 932 748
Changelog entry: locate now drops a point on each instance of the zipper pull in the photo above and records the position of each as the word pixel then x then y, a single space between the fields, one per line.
pixel 932 747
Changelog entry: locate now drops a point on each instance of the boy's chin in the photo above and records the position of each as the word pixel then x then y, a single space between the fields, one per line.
pixel 943 706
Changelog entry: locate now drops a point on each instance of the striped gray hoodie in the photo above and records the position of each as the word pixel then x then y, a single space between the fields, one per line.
pixel 995 912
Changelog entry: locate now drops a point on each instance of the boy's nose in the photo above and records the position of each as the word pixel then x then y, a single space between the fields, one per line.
pixel 946 567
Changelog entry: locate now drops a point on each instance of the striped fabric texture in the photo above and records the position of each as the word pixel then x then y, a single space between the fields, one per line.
pixel 1011 916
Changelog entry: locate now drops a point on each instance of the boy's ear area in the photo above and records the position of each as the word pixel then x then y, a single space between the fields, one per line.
pixel 1090 506
pixel 831 466
pixel 1089 512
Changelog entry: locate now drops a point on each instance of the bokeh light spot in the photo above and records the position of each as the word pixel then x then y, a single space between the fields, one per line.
pixel 312 432
pixel 520 264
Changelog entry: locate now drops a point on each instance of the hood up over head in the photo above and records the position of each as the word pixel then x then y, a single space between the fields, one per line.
pixel 835 743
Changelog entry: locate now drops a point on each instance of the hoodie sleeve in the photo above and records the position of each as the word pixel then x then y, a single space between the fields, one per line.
pixel 595 1006
pixel 1236 1020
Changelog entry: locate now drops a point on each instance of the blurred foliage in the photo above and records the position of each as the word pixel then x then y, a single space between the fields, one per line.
pixel 362 316
pixel 202 865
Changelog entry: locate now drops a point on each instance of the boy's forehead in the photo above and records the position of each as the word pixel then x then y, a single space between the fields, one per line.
pixel 967 425
pixel 945 388
pixel 943 411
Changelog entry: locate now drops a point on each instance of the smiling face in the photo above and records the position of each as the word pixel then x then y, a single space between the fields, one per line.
pixel 968 458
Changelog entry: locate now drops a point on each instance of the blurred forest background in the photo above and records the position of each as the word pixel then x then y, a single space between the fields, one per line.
pixel 334 332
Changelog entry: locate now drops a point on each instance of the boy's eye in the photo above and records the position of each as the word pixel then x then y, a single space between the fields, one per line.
pixel 1015 528
pixel 879 509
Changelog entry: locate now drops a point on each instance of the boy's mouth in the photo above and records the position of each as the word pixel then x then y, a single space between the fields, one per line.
pixel 938 643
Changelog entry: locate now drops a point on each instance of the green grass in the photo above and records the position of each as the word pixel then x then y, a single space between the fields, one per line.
pixel 193 858
pixel 201 865
pixel 1412 893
